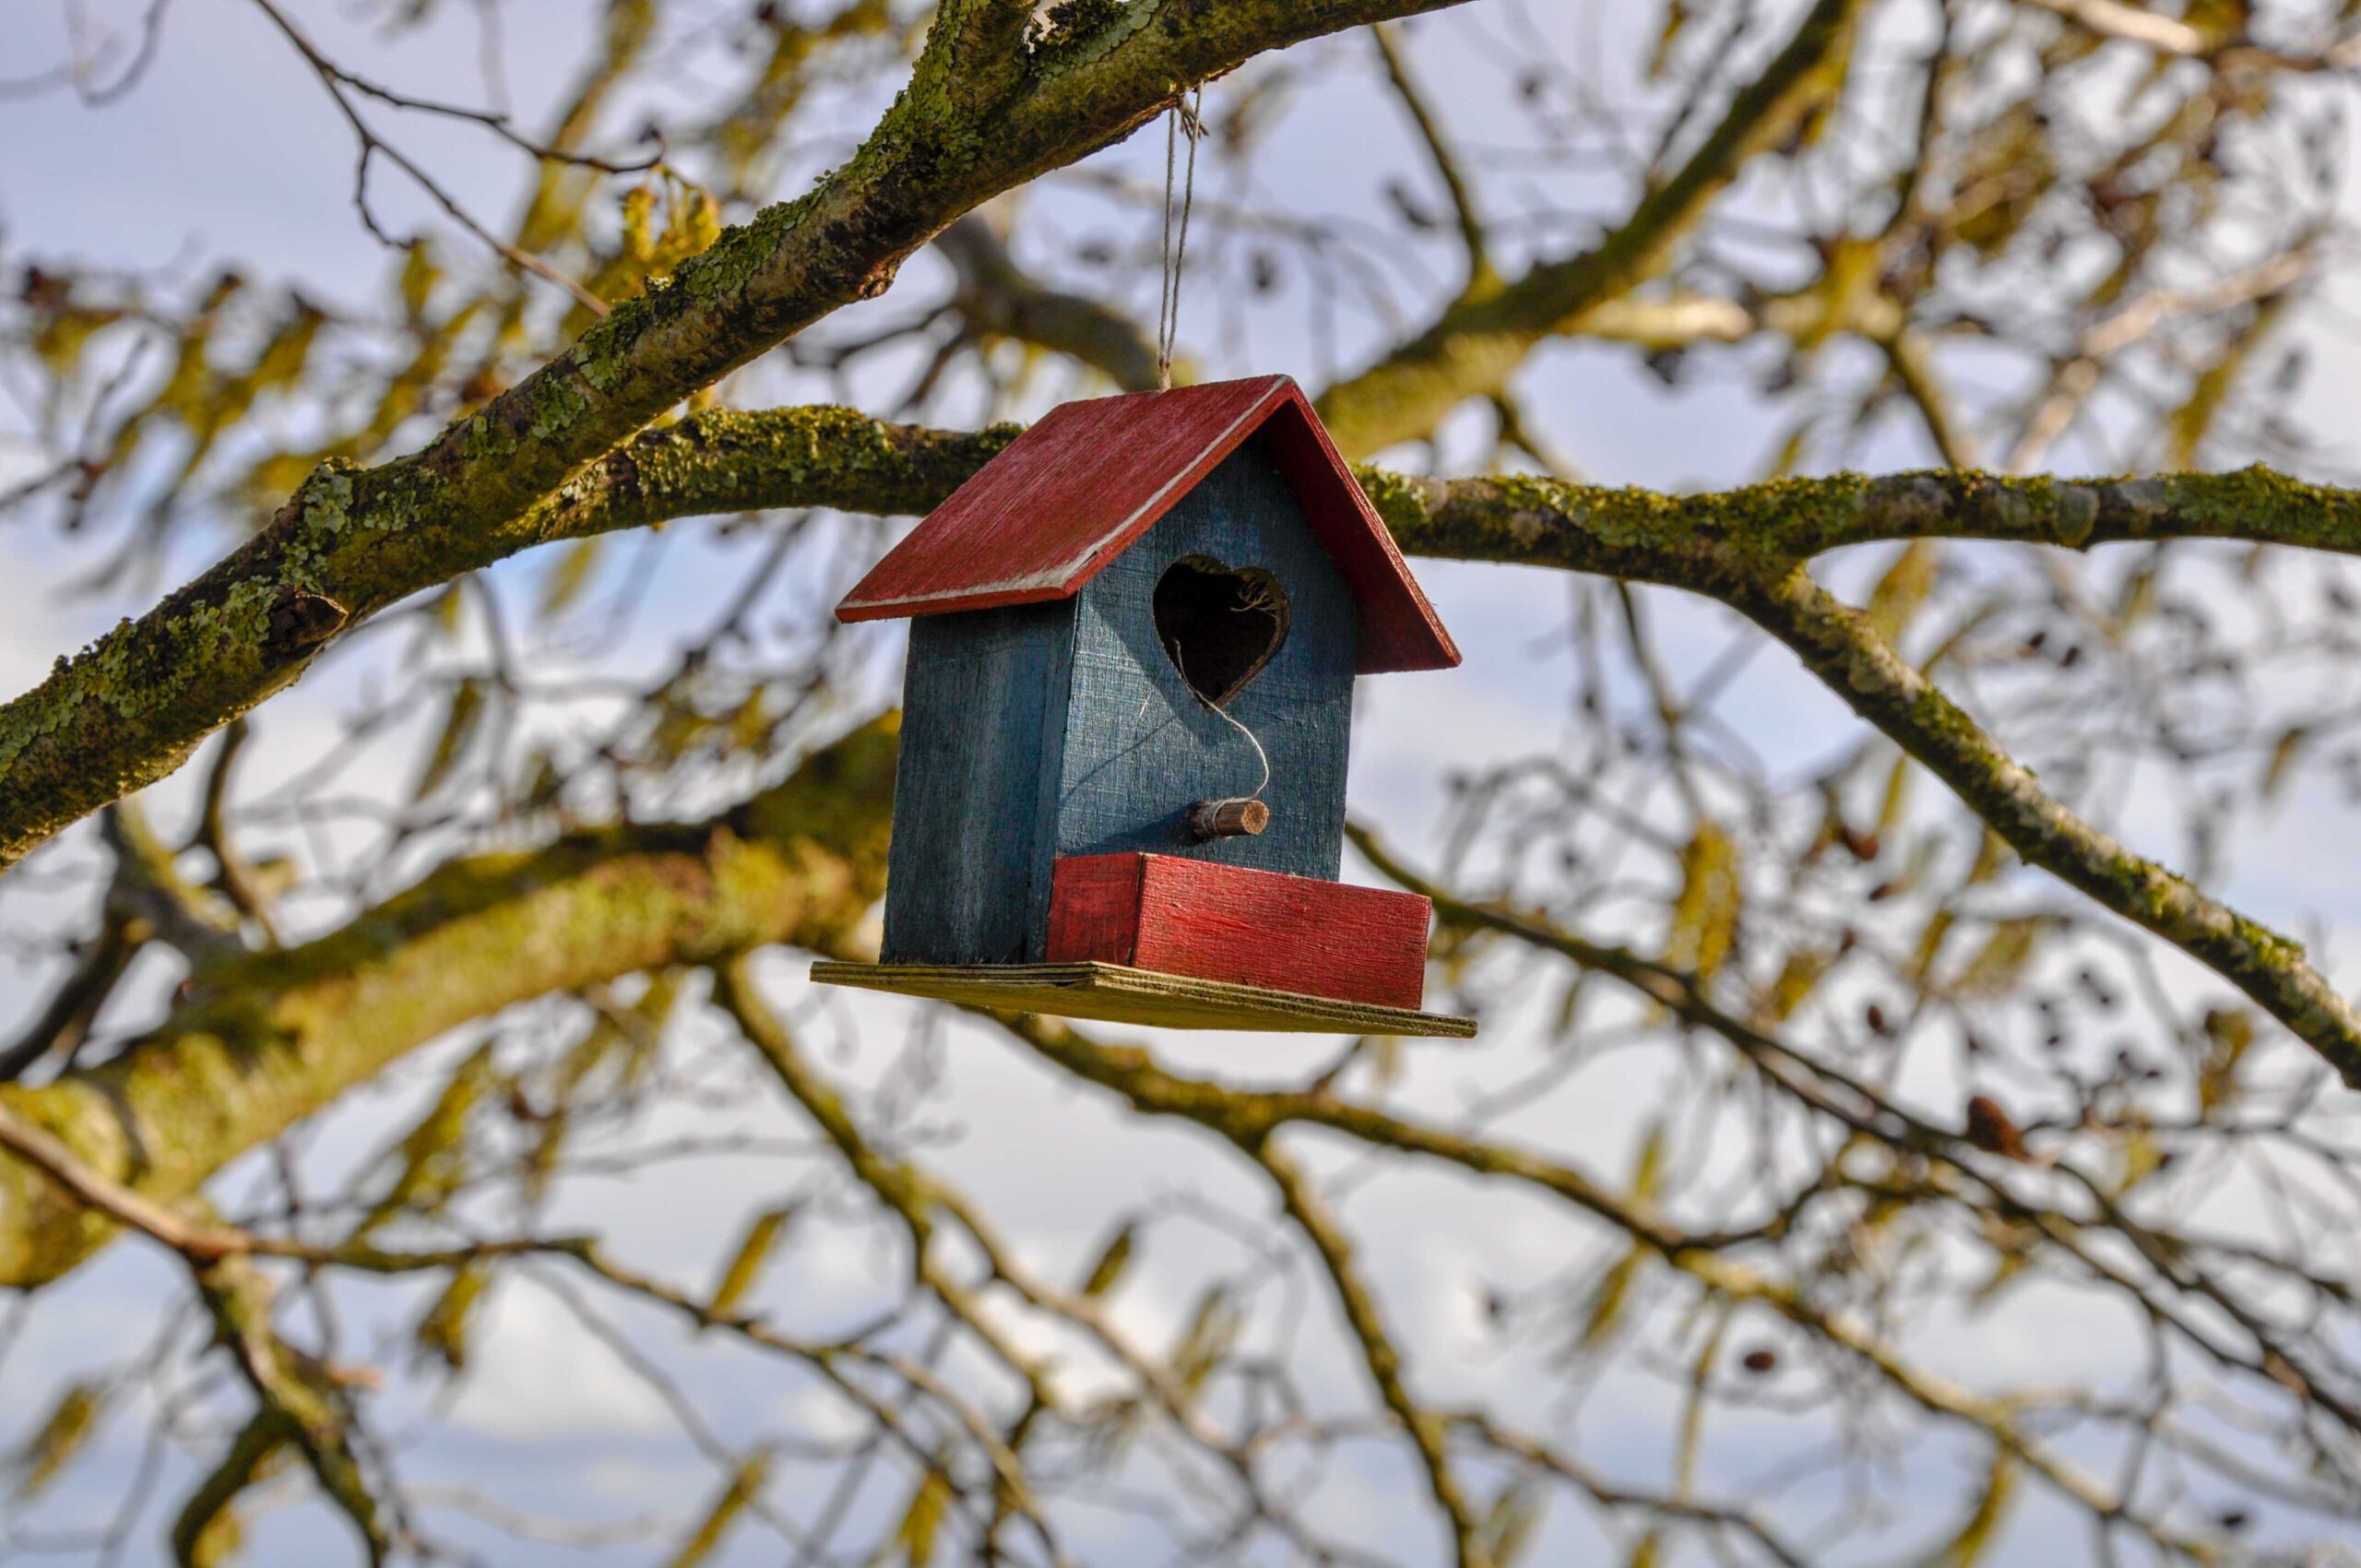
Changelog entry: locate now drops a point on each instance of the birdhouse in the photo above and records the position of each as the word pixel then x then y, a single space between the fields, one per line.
pixel 1126 720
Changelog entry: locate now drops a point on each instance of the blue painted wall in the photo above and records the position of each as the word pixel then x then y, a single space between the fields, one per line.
pixel 1065 730
pixel 983 713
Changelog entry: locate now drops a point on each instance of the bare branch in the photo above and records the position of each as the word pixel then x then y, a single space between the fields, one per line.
pixel 1479 341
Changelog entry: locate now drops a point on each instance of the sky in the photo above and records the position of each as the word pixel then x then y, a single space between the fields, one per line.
pixel 226 150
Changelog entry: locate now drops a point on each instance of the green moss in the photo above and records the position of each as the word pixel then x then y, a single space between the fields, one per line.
pixel 485 441
pixel 1396 499
pixel 556 403
pixel 323 502
pixel 1081 32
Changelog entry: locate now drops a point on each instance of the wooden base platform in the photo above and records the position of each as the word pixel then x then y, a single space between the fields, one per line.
pixel 1118 994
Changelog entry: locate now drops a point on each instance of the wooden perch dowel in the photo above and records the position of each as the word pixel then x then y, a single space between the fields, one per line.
pixel 1229 819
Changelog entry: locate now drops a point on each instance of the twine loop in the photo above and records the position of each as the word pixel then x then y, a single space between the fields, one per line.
pixel 1185 120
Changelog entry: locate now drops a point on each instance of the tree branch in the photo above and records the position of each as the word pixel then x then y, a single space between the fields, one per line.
pixel 997 298
pixel 1427 1433
pixel 1693 540
pixel 2168 35
pixel 1479 341
pixel 295 1393
pixel 1246 1118
pixel 916 1197
pixel 989 107
pixel 723 461
pixel 1837 644
pixel 269 1039
pixel 1438 151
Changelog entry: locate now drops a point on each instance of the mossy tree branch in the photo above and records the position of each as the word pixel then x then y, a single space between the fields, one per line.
pixel 994 101
pixel 1747 549
pixel 721 461
pixel 269 1039
pixel 1744 546
pixel 1838 644
pixel 1659 537
pixel 265 1066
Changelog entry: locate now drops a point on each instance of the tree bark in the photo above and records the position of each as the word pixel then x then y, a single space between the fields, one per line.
pixel 269 1039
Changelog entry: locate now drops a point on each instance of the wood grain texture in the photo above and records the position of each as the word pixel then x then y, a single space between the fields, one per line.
pixel 1256 928
pixel 1141 749
pixel 1033 732
pixel 1116 993
pixel 1077 491
pixel 1228 819
pixel 984 723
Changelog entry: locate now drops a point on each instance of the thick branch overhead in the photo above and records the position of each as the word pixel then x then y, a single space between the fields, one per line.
pixel 1741 546
pixel 985 111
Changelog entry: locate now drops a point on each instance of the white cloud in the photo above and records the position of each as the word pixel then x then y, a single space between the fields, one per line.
pixel 536 1374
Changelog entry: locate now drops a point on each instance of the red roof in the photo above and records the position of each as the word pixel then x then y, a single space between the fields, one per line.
pixel 1081 487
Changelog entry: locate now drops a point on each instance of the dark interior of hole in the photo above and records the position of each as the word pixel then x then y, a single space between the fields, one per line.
pixel 1220 626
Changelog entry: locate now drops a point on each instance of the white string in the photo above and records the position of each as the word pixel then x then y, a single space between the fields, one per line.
pixel 1186 119
pixel 1172 647
pixel 1183 119
pixel 1260 754
pixel 1164 255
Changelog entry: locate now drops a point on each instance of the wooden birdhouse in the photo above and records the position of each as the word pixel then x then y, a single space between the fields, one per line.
pixel 1133 637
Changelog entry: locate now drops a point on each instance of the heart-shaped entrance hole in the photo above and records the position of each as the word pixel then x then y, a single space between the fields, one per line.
pixel 1219 624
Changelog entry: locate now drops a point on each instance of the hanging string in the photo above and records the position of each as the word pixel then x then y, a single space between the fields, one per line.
pixel 1173 647
pixel 1232 815
pixel 1260 754
pixel 1185 120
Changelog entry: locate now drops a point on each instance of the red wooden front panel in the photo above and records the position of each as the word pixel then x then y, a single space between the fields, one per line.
pixel 1184 916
